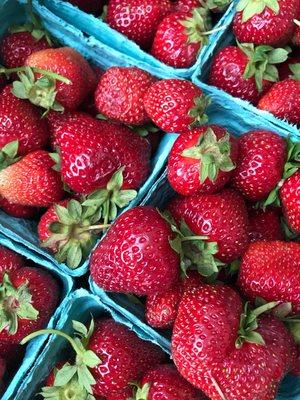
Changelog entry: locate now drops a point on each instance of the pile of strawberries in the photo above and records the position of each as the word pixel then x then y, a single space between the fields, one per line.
pixel 263 67
pixel 174 32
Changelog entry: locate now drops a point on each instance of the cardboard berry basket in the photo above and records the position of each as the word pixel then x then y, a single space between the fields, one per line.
pixel 228 101
pixel 80 306
pixel 97 28
pixel 34 348
pixel 11 12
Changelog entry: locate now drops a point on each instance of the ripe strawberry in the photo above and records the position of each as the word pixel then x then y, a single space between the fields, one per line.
pixel 186 5
pixel 226 356
pixel 120 92
pixel 126 394
pixel 112 360
pixel 202 160
pixel 17 210
pixel 246 71
pixel 175 105
pixel 10 261
pixel 270 270
pixel 24 308
pixel 180 36
pixel 92 151
pixel 265 23
pixel 32 181
pixel 264 224
pixel 135 256
pixel 69 64
pixel 296 36
pixel 221 218
pixel 283 98
pixel 16 47
pixel 137 19
pixel 89 6
pixel 262 156
pixel 284 69
pixel 290 200
pixel 296 369
pixel 165 382
pixel 20 120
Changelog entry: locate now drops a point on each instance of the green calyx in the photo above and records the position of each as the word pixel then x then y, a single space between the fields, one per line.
pixel 252 7
pixel 73 382
pixel 39 91
pixel 141 393
pixel 15 304
pixel 144 130
pixel 197 113
pixel 9 154
pixel 261 62
pixel 220 5
pixel 198 26
pixel 295 68
pixel 291 166
pixel 105 202
pixel 214 155
pixel 195 252
pixel 248 324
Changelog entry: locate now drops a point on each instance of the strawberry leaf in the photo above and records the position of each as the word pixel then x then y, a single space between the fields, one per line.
pixel 8 154
pixel 64 374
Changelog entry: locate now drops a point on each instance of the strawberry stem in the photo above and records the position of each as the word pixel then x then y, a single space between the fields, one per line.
pixel 95 227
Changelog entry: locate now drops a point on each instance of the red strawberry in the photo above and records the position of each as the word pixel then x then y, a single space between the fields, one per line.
pixel 186 5
pixel 17 210
pixel 32 181
pixel 71 65
pixel 120 92
pixel 175 105
pixel 262 155
pixel 126 394
pixel 164 382
pixel 180 36
pixel 24 308
pixel 226 356
pixel 10 261
pixel 284 69
pixel 270 270
pixel 137 19
pixel 92 151
pixel 283 99
pixel 265 23
pixel 240 71
pixel 135 256
pixel 202 160
pixel 290 200
pixel 89 6
pixel 296 36
pixel 20 120
pixel 16 47
pixel 221 217
pixel 264 224
pixel 296 369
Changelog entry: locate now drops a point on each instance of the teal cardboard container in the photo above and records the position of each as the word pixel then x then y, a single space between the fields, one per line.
pixel 80 305
pixel 100 30
pixel 11 12
pixel 35 347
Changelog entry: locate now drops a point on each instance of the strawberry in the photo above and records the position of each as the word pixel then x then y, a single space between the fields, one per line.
pixel 92 151
pixel 165 382
pixel 296 369
pixel 262 156
pixel 17 210
pixel 175 105
pixel 264 224
pixel 17 46
pixel 213 5
pixel 284 69
pixel 296 36
pixel 10 261
pixel 120 92
pixel 186 5
pixel 137 19
pixel 89 6
pixel 32 181
pixel 246 71
pixel 125 394
pixel 226 352
pixel 290 200
pixel 283 98
pixel 270 270
pixel 261 22
pixel 180 36
pixel 2 372
pixel 135 256
pixel 21 121
pixel 111 360
pixel 50 90
pixel 23 305
pixel 202 160
pixel 221 219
